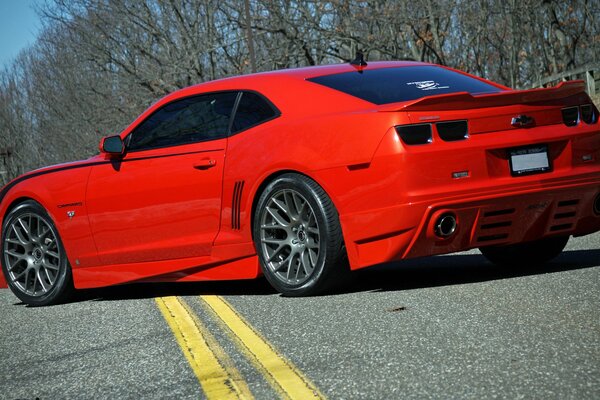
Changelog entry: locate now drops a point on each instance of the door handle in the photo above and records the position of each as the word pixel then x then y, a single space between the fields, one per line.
pixel 205 163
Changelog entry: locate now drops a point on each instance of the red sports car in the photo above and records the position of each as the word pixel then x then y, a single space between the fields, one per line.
pixel 302 174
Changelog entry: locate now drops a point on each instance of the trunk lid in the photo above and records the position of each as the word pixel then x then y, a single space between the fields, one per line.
pixel 496 111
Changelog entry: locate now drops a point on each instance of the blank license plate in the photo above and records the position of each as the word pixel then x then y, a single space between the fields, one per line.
pixel 529 160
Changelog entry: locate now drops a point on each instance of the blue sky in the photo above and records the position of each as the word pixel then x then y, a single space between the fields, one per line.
pixel 19 25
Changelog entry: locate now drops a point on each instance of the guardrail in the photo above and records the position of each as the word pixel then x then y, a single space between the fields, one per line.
pixel 589 73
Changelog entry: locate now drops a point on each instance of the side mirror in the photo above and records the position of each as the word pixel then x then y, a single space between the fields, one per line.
pixel 112 145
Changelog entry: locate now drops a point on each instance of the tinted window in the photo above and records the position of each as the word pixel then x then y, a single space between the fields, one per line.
pixel 193 119
pixel 390 85
pixel 252 110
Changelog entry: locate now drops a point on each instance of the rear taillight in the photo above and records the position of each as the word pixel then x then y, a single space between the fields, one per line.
pixel 453 130
pixel 588 114
pixel 448 131
pixel 573 115
pixel 570 116
pixel 415 134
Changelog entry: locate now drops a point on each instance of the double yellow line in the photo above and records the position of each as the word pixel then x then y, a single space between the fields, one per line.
pixel 215 370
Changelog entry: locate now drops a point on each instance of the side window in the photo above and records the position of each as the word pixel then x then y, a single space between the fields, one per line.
pixel 189 120
pixel 252 110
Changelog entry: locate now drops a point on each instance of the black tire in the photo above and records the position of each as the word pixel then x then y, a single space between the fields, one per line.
pixel 526 254
pixel 311 248
pixel 34 261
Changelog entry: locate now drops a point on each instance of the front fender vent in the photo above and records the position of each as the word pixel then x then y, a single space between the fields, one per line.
pixel 236 200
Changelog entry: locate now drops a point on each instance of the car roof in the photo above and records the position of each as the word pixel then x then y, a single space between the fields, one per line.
pixel 256 80
pixel 264 82
pixel 319 70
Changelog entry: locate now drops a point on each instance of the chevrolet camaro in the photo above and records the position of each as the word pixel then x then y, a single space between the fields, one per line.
pixel 301 175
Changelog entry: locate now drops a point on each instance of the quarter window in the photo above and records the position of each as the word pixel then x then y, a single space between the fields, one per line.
pixel 252 110
pixel 189 120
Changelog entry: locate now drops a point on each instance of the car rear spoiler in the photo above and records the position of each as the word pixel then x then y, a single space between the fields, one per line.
pixel 465 100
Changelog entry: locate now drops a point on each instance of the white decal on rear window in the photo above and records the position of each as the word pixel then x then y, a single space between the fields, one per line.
pixel 427 85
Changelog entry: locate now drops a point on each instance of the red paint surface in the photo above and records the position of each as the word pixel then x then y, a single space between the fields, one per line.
pixel 153 216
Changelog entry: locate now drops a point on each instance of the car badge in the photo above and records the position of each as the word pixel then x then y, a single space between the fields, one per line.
pixel 521 121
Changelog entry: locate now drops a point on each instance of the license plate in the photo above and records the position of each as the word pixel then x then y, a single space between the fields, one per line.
pixel 529 160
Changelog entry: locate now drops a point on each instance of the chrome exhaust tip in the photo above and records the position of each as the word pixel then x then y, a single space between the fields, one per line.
pixel 445 226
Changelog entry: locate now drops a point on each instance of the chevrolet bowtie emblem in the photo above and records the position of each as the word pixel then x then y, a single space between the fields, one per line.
pixel 521 121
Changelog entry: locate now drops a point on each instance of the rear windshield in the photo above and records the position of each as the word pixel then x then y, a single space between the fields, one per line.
pixel 390 85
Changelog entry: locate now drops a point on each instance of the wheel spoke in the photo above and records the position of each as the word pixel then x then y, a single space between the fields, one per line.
pixel 15 264
pixel 289 265
pixel 25 228
pixel 272 241
pixel 16 255
pixel 34 227
pixel 34 278
pixel 46 264
pixel 313 230
pixel 52 254
pixel 306 262
pixel 299 205
pixel 313 255
pixel 16 278
pixel 311 220
pixel 19 235
pixel 282 206
pixel 288 197
pixel 298 266
pixel 43 234
pixel 32 283
pixel 273 227
pixel 312 244
pixel 283 263
pixel 40 279
pixel 278 218
pixel 276 252
pixel 50 279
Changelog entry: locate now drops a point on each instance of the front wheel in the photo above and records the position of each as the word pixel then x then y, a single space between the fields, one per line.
pixel 34 261
pixel 298 237
pixel 526 254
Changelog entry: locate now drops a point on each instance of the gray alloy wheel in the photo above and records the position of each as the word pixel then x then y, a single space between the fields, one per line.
pixel 298 237
pixel 33 258
pixel 290 237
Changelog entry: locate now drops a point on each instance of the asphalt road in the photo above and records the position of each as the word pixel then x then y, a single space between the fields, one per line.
pixel 441 327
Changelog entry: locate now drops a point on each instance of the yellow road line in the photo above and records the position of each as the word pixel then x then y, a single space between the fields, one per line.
pixel 214 369
pixel 281 374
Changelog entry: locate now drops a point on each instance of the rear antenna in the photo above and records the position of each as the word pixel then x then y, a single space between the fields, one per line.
pixel 359 61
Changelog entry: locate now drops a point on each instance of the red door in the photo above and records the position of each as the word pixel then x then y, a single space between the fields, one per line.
pixel 157 204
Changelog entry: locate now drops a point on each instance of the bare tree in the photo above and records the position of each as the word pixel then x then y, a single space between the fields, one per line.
pixel 99 63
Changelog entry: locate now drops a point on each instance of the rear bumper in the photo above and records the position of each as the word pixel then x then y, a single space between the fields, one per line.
pixel 492 217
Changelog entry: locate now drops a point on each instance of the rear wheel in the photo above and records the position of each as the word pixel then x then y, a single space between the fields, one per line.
pixel 298 237
pixel 34 261
pixel 526 254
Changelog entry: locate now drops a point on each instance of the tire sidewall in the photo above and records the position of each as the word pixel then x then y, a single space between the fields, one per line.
pixel 63 280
